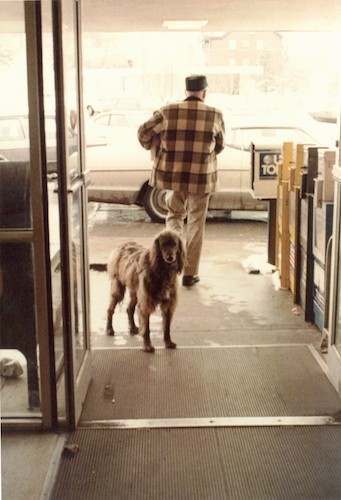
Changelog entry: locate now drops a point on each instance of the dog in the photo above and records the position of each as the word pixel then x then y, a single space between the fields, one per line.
pixel 151 277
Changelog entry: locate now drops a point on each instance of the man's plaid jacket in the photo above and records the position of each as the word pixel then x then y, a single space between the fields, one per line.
pixel 184 139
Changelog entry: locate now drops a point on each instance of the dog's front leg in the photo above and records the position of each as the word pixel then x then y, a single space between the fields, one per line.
pixel 145 331
pixel 130 311
pixel 167 319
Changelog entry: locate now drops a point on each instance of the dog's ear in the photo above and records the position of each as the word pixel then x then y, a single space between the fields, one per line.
pixel 181 256
pixel 155 252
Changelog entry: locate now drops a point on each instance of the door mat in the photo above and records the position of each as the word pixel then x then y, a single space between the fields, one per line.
pixel 208 382
pixel 204 464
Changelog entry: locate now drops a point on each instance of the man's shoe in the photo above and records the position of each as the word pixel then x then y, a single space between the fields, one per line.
pixel 190 280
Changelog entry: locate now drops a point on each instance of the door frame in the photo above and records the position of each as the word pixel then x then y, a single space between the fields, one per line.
pixel 334 357
pixel 334 306
pixel 76 384
pixel 39 205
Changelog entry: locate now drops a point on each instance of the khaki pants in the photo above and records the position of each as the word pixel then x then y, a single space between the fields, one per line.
pixel 194 207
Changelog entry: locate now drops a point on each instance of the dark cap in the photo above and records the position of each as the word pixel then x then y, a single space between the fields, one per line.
pixel 196 82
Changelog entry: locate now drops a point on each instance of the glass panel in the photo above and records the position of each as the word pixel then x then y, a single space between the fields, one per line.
pixel 20 386
pixel 20 392
pixel 20 381
pixel 55 271
pixel 80 334
pixel 15 196
pixel 74 169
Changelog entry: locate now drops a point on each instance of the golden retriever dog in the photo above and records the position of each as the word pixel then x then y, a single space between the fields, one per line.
pixel 151 277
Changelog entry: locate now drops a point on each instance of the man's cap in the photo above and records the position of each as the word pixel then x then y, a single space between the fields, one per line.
pixel 196 82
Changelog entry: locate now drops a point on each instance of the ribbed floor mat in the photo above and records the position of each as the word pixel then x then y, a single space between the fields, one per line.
pixel 203 464
pixel 194 383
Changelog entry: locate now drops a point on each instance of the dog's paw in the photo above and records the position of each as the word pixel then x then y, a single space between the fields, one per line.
pixel 134 330
pixel 149 348
pixel 110 331
pixel 170 345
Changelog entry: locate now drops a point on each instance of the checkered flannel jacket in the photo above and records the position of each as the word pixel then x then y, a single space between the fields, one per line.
pixel 184 139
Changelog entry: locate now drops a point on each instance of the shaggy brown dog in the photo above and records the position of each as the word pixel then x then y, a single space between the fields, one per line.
pixel 151 276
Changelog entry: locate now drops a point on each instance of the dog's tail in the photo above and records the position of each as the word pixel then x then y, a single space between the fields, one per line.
pixel 98 267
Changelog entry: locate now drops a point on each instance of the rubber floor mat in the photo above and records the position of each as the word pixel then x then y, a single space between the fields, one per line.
pixel 208 382
pixel 271 463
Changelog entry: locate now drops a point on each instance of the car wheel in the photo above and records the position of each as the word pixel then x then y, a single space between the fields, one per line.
pixel 154 202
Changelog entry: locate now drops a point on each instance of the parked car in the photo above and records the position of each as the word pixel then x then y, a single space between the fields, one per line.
pixel 112 126
pixel 15 140
pixel 119 172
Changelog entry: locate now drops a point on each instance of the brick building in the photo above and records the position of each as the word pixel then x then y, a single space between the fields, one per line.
pixel 238 61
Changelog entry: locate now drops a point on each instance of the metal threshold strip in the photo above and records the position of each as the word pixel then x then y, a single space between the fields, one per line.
pixel 171 423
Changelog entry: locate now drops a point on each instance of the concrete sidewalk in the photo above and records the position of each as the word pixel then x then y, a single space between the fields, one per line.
pixel 238 300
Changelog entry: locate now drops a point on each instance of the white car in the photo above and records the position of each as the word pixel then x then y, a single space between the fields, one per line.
pixel 112 124
pixel 15 141
pixel 119 172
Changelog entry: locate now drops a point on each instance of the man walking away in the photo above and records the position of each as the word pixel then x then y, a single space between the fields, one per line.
pixel 185 139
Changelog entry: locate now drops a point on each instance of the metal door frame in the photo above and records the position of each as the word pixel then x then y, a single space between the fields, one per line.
pixel 334 312
pixel 76 385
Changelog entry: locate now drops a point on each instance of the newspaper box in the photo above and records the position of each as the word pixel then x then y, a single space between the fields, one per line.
pixel 264 170
pixel 265 160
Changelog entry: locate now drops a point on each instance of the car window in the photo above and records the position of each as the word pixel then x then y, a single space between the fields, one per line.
pixel 233 139
pixel 128 120
pixel 136 119
pixel 102 120
pixel 50 127
pixel 118 121
pixel 269 135
pixel 11 130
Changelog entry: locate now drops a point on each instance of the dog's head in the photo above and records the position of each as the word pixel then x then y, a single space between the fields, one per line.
pixel 168 246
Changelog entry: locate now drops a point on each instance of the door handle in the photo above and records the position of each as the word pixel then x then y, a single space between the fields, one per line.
pixel 77 182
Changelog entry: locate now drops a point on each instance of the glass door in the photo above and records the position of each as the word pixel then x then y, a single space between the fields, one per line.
pixel 75 359
pixel 28 383
pixel 334 347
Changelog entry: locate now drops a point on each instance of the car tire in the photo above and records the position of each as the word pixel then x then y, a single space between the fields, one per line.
pixel 154 202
